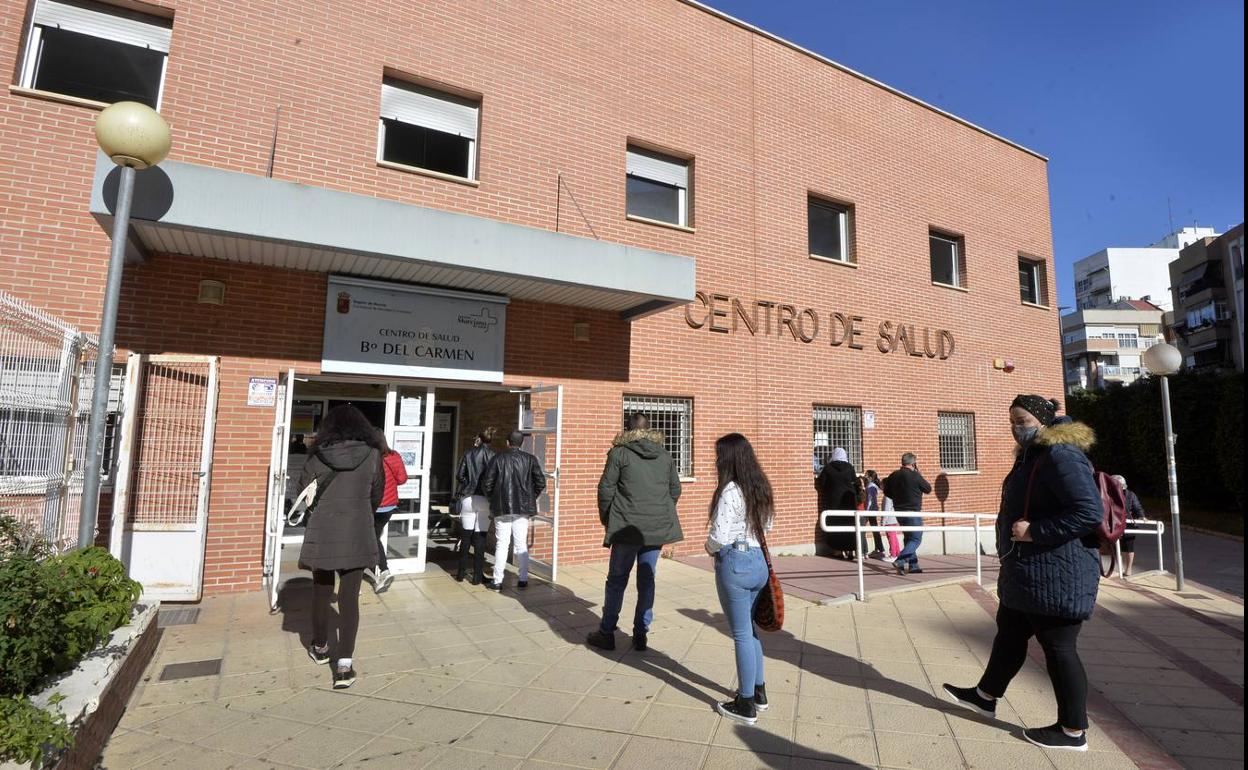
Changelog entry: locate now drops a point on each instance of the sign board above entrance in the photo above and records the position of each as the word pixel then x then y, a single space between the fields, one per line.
pixel 405 331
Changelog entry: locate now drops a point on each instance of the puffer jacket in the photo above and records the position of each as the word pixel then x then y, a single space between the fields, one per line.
pixel 340 531
pixel 1058 573
pixel 513 480
pixel 638 491
pixel 471 466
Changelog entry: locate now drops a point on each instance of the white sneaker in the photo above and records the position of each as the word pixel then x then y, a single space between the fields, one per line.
pixel 370 575
pixel 383 581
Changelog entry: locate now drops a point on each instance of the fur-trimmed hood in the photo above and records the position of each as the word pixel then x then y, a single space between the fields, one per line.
pixel 645 443
pixel 1067 431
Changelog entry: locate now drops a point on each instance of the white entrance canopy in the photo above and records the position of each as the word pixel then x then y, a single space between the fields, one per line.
pixel 183 208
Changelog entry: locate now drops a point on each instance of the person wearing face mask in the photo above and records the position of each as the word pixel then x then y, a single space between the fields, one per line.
pixel 1050 568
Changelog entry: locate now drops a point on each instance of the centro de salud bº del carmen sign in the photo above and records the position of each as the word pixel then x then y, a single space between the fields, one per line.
pixel 726 314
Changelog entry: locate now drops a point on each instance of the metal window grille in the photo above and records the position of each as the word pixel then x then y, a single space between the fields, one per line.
pixel 673 417
pixel 957 441
pixel 838 426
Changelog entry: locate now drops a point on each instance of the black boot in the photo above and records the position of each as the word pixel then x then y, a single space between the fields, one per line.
pixel 760 697
pixel 739 710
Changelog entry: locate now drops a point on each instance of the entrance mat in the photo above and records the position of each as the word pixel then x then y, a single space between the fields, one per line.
pixel 189 670
pixel 182 616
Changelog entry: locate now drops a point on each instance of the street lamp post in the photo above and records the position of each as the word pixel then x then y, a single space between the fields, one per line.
pixel 1163 360
pixel 135 137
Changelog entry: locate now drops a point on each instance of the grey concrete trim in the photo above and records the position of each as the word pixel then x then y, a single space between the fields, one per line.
pixel 210 200
pixel 825 60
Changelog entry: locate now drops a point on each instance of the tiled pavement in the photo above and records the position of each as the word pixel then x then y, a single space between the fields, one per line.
pixel 457 677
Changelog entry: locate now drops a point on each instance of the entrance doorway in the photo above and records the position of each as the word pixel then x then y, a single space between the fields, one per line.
pixel 431 426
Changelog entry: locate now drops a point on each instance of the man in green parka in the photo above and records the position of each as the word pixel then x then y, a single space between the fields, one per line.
pixel 637 504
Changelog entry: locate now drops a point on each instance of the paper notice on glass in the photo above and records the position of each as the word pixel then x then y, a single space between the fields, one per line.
pixel 868 420
pixel 410 490
pixel 410 445
pixel 821 438
pixel 409 411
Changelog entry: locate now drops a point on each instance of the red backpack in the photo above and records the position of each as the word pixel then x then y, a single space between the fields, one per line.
pixel 1113 512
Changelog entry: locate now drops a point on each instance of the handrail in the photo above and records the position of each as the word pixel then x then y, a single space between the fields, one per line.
pixel 1159 531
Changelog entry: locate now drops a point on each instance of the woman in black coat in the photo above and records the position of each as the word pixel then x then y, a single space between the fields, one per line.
pixel 838 491
pixel 1050 568
pixel 340 539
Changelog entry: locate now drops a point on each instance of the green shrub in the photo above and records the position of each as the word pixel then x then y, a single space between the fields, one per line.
pixel 27 731
pixel 18 536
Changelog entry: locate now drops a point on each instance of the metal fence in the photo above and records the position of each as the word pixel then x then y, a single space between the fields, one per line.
pixel 47 370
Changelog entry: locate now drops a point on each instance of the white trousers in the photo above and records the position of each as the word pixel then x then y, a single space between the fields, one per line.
pixel 474 513
pixel 511 531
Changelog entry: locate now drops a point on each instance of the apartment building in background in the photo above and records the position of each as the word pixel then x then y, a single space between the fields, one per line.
pixel 1117 273
pixel 1103 346
pixel 1208 295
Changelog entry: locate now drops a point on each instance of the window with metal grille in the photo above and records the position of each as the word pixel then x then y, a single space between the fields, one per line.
pixel 673 417
pixel 957 441
pixel 838 426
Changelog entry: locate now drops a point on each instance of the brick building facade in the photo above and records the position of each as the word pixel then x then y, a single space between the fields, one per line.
pixel 564 88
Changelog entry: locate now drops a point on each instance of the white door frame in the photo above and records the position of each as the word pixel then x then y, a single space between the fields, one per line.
pixel 279 459
pixel 418 520
pixel 525 423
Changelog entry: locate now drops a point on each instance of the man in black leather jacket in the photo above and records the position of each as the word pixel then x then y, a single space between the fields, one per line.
pixel 512 481
pixel 472 506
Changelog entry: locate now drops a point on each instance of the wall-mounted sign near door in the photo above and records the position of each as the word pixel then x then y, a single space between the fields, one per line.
pixel 407 331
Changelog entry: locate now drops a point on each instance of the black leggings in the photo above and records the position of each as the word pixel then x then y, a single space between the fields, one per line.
pixel 1057 637
pixel 348 607
pixel 475 540
pixel 380 520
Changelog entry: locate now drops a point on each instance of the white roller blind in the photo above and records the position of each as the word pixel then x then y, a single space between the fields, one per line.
pixel 120 26
pixel 429 109
pixel 658 169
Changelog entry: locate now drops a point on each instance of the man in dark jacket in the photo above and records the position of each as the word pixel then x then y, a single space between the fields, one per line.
pixel 637 505
pixel 512 481
pixel 906 487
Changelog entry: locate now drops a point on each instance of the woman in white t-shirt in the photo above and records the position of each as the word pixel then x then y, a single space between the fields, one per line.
pixel 741 510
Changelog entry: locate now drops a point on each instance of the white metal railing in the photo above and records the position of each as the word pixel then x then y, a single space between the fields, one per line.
pixel 859 529
pixel 976 528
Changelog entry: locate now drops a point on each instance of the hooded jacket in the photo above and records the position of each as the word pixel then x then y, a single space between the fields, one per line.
pixel 340 531
pixel 638 491
pixel 1058 573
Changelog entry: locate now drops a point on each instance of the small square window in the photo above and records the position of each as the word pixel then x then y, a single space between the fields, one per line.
pixel 657 187
pixel 828 230
pixel 428 129
pixel 673 417
pixel 1032 286
pixel 956 432
pixel 97 52
pixel 948 263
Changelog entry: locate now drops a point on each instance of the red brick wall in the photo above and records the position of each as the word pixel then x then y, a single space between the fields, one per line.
pixel 565 86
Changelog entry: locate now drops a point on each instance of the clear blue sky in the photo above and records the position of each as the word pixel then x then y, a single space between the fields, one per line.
pixel 1133 101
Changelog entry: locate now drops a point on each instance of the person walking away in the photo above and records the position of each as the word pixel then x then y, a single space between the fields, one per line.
pixel 396 476
pixel 1050 568
pixel 512 482
pixel 637 497
pixel 340 539
pixel 906 486
pixel 741 511
pixel 474 507
pixel 890 520
pixel 875 502
pixel 1135 517
pixel 836 488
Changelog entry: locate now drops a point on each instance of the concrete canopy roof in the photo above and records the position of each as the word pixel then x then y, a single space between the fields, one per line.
pixel 183 208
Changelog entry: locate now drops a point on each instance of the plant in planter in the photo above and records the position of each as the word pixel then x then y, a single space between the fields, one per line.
pixel 54 609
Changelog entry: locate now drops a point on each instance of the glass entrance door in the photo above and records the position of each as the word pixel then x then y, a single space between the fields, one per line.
pixel 409 421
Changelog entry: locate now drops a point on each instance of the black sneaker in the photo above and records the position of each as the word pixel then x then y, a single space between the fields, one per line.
pixel 492 586
pixel 522 584
pixel 318 657
pixel 969 698
pixel 601 639
pixel 639 642
pixel 459 577
pixel 474 581
pixel 343 679
pixel 1054 737
pixel 739 710
pixel 916 570
pixel 900 566
pixel 760 697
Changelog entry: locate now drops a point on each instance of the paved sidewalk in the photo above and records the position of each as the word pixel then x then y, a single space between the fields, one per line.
pixel 453 676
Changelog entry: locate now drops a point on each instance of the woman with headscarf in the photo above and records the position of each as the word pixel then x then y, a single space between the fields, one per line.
pixel 837 485
pixel 1050 568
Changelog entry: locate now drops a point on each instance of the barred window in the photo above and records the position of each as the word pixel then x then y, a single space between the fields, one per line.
pixel 838 426
pixel 673 417
pixel 957 441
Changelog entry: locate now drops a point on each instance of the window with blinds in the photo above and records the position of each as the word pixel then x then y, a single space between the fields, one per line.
pixel 957 441
pixel 673 417
pixel 657 187
pixel 838 426
pixel 97 52
pixel 428 129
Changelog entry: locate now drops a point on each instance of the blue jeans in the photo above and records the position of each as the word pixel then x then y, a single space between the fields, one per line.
pixel 912 539
pixel 740 576
pixel 623 557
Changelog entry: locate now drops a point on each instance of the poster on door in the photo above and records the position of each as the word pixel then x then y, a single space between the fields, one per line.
pixel 406 331
pixel 410 445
